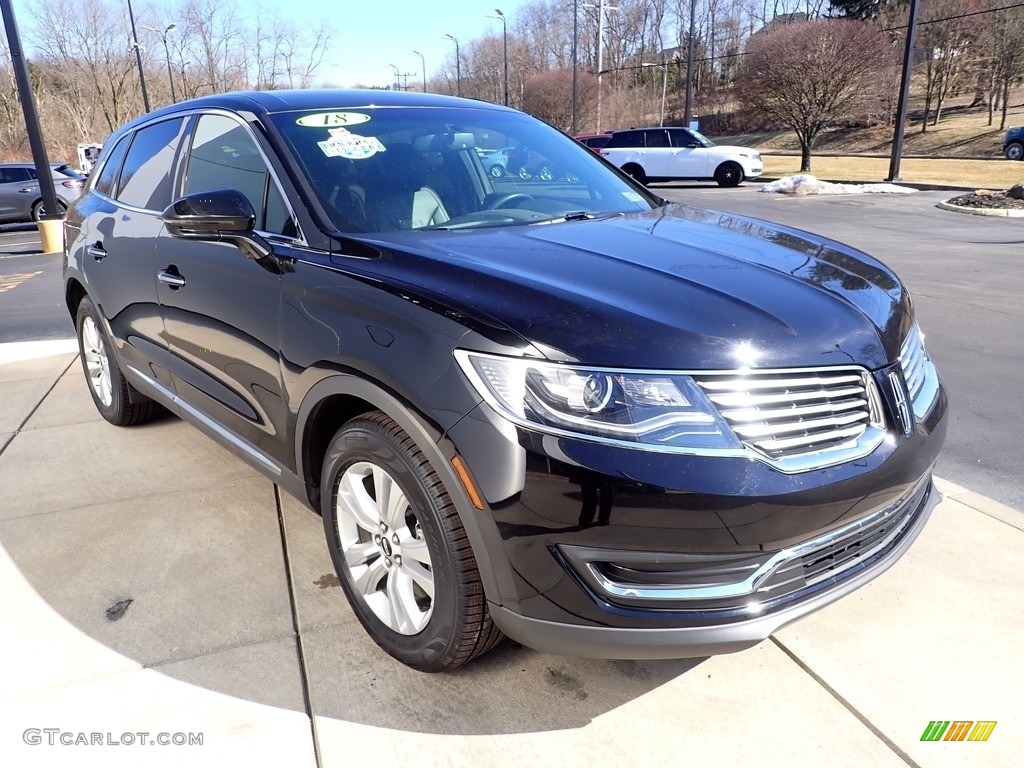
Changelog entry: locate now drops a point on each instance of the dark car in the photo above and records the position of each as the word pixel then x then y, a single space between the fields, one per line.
pixel 568 413
pixel 20 197
pixel 1013 143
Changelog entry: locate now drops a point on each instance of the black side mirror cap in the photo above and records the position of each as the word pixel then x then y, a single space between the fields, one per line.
pixel 210 215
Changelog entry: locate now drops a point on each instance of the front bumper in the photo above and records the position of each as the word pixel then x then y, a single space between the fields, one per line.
pixel 691 555
pixel 699 640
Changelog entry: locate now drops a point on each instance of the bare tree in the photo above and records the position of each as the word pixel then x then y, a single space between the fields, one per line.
pixel 549 96
pixel 813 74
pixel 946 41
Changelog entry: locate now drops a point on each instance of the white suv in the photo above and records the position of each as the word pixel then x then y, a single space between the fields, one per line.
pixel 664 154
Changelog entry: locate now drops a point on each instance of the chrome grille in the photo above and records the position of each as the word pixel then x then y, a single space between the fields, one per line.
pixel 919 373
pixel 796 412
pixel 913 360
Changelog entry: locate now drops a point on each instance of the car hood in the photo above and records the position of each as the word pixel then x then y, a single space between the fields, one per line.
pixel 674 288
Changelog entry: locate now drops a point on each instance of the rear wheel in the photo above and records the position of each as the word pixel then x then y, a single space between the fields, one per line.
pixel 545 174
pixel 39 210
pixel 116 400
pixel 729 174
pixel 497 170
pixel 400 550
pixel 636 172
pixel 1015 151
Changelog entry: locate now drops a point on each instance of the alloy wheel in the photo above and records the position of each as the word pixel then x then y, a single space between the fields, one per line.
pixel 96 362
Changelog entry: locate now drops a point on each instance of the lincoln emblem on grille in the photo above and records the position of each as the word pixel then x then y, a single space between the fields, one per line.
pixel 899 391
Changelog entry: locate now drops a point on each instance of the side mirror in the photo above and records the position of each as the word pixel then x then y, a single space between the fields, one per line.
pixel 207 215
pixel 221 214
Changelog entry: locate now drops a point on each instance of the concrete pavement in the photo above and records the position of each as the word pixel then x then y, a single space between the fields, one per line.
pixel 151 583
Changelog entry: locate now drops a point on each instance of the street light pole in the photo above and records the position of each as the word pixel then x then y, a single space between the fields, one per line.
pixel 167 53
pixel 398 75
pixel 458 64
pixel 138 57
pixel 504 27
pixel 423 61
pixel 601 8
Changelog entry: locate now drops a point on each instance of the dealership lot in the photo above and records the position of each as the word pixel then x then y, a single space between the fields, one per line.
pixel 155 584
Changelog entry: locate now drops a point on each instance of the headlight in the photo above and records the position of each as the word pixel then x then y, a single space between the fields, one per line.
pixel 650 408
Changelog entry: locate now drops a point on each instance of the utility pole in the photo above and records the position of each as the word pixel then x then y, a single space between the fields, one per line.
pixel 687 113
pixel 901 107
pixel 575 68
pixel 138 57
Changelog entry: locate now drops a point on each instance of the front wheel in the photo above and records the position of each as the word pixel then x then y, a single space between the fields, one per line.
pixel 729 174
pixel 1015 151
pixel 401 553
pixel 638 174
pixel 497 170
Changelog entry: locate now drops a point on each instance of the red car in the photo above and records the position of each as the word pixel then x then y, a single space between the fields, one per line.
pixel 594 140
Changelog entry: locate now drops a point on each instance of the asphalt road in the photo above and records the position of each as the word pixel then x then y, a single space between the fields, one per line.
pixel 965 272
pixel 31 296
pixel 966 275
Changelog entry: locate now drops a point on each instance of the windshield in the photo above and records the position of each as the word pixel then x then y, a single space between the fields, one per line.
pixel 384 169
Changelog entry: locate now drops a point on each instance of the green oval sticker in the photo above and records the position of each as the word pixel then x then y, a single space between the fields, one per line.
pixel 332 119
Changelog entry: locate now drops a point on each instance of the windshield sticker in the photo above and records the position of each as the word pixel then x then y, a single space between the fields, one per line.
pixel 633 196
pixel 332 119
pixel 350 146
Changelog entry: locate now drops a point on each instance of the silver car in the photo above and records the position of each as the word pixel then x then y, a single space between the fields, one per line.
pixel 21 198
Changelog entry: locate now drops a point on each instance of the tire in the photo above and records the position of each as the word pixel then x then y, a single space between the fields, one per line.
pixel 636 172
pixel 729 174
pixel 39 210
pixel 409 572
pixel 497 171
pixel 117 401
pixel 524 174
pixel 1015 151
pixel 545 174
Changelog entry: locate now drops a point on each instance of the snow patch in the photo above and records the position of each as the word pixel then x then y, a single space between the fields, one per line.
pixel 805 184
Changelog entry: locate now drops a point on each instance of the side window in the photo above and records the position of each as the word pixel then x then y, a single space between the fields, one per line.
pixel 29 173
pixel 112 164
pixel 682 138
pixel 146 175
pixel 657 138
pixel 626 139
pixel 224 156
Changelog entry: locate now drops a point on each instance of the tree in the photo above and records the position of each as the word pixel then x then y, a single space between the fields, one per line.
pixel 814 74
pixel 946 41
pixel 549 96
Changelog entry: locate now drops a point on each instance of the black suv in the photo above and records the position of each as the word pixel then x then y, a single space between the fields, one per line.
pixel 562 411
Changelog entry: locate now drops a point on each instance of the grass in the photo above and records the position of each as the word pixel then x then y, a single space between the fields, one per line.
pixel 974 174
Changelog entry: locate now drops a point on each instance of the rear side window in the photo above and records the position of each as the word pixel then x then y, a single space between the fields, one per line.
pixel 146 176
pixel 626 139
pixel 657 138
pixel 112 164
pixel 13 175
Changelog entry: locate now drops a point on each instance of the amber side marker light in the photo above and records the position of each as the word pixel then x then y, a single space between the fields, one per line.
pixel 467 482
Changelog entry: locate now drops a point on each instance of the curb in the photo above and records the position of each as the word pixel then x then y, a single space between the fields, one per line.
pixel 919 186
pixel 946 206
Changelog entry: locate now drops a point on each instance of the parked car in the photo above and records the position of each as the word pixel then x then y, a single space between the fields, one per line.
pixel 594 140
pixel 495 161
pixel 530 164
pixel 20 197
pixel 1013 143
pixel 573 414
pixel 666 154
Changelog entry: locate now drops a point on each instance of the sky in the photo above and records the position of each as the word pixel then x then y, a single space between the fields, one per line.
pixel 371 35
